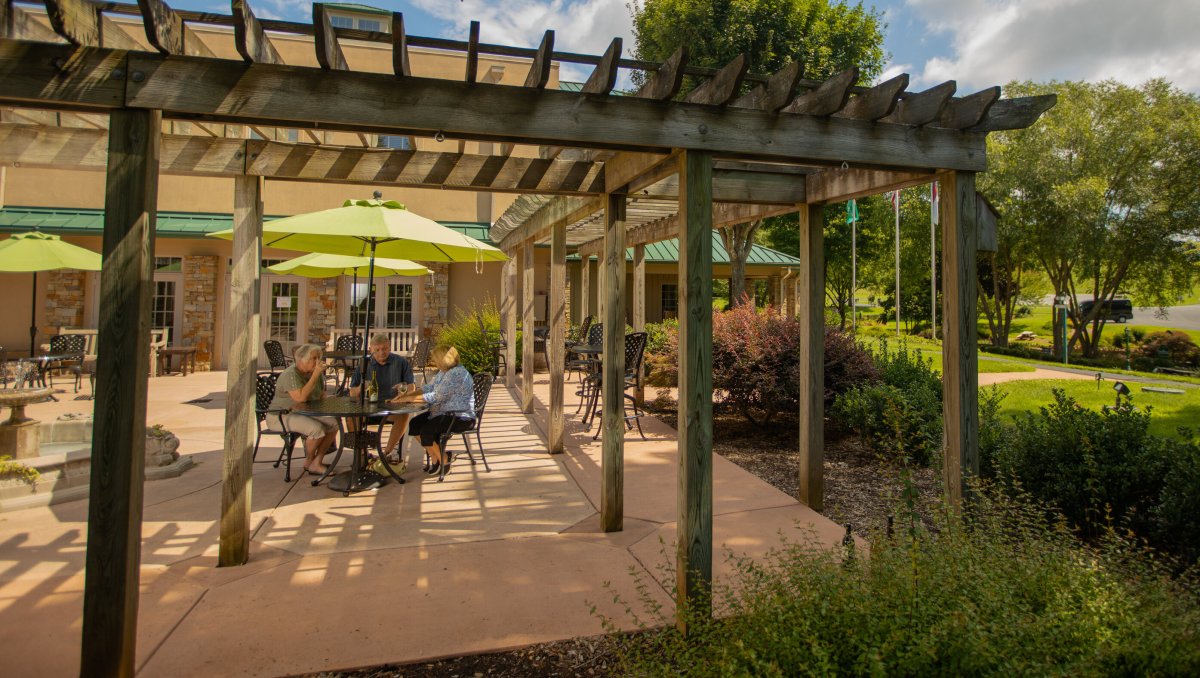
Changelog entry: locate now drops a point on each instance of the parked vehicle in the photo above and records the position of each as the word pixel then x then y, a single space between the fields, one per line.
pixel 1120 310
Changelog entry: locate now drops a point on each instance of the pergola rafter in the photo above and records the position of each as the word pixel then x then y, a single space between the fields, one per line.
pixel 739 146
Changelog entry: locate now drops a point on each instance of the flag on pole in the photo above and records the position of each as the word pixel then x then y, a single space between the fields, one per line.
pixel 894 196
pixel 851 212
pixel 933 203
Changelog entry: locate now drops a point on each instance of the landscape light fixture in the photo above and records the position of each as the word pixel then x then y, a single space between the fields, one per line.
pixel 1122 390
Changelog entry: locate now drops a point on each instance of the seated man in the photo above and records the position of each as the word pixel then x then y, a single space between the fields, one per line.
pixel 394 376
pixel 304 381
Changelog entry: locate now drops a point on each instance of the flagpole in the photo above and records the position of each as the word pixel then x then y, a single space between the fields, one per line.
pixel 933 222
pixel 853 276
pixel 896 204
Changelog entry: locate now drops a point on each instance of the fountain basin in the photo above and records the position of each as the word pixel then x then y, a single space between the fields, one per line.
pixel 19 435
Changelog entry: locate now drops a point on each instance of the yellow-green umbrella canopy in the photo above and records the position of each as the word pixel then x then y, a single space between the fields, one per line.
pixel 35 251
pixel 317 265
pixel 373 227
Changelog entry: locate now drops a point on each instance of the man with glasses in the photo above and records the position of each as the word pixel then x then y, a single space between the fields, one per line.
pixel 393 375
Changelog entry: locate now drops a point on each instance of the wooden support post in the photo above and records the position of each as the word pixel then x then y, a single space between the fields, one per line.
pixel 694 556
pixel 960 358
pixel 110 592
pixel 240 423
pixel 612 291
pixel 639 305
pixel 587 287
pixel 556 342
pixel 508 315
pixel 527 297
pixel 576 300
pixel 810 302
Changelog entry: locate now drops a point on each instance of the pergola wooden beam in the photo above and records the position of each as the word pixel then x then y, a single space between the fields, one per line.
pixel 969 110
pixel 776 93
pixel 667 80
pixel 80 22
pixel 829 98
pixel 400 63
pixel 837 185
pixel 612 422
pixel 539 70
pixel 168 33
pixel 325 41
pixel 472 53
pixel 248 36
pixel 924 107
pixel 604 77
pixel 735 186
pixel 877 102
pixel 558 210
pixel 720 89
pixel 723 214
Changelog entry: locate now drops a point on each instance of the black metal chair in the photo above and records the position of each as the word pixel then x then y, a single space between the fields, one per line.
pixel 346 342
pixel 349 342
pixel 68 344
pixel 482 389
pixel 275 355
pixel 496 342
pixel 635 350
pixel 420 360
pixel 264 393
pixel 593 336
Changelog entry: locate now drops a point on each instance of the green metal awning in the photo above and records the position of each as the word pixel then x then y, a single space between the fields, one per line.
pixel 667 252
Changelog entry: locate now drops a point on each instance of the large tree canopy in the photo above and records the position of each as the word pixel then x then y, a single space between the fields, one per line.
pixel 1104 193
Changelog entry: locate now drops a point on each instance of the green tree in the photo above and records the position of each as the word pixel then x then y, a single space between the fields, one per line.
pixel 1105 192
pixel 826 37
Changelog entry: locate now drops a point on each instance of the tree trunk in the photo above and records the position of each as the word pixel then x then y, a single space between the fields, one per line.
pixel 738 240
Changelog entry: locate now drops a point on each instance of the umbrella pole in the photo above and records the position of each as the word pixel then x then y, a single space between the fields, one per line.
pixel 353 310
pixel 362 392
pixel 33 317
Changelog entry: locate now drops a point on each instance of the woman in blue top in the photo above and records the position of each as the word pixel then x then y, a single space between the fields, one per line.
pixel 451 400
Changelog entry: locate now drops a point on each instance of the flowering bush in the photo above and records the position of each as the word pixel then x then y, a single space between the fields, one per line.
pixel 1179 346
pixel 474 351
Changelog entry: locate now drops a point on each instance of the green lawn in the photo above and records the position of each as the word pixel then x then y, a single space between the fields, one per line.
pixel 1169 411
pixel 1039 322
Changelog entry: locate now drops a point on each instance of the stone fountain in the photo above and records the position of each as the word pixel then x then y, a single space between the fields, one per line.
pixel 20 436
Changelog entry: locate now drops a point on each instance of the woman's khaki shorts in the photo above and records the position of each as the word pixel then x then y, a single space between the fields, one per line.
pixel 309 427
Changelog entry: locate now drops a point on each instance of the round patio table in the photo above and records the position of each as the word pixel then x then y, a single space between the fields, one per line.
pixel 358 478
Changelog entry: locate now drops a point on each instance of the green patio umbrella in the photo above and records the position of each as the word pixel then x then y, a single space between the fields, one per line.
pixel 35 251
pixel 317 265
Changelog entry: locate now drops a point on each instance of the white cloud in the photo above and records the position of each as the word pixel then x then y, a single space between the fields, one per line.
pixel 994 41
pixel 583 26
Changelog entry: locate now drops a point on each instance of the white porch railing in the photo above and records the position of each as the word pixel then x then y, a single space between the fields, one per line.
pixel 158 339
pixel 403 340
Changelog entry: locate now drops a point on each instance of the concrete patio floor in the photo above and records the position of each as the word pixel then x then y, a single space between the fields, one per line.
pixel 482 562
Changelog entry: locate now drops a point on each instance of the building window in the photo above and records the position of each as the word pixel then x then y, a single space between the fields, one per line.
pixel 162 308
pixel 362 305
pixel 399 143
pixel 341 21
pixel 368 25
pixel 399 305
pixel 285 311
pixel 670 301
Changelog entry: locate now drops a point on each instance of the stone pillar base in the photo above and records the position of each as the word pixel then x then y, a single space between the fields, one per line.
pixel 20 441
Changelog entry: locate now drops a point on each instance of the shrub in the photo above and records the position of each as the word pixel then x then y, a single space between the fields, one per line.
pixel 1002 593
pixel 1103 469
pixel 660 335
pixel 463 334
pixel 1180 347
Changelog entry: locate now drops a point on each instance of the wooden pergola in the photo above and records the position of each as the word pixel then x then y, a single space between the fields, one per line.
pixel 612 172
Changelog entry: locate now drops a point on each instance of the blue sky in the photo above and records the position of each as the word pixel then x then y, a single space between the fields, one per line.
pixel 978 43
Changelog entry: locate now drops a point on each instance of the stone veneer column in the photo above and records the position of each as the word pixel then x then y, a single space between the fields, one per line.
pixel 64 298
pixel 322 308
pixel 199 307
pixel 435 300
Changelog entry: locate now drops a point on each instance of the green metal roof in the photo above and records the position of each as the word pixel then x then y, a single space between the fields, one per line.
pixel 667 252
pixel 355 7
pixel 570 86
pixel 88 221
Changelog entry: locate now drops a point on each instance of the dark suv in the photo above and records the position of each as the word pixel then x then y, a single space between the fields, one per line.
pixel 1120 310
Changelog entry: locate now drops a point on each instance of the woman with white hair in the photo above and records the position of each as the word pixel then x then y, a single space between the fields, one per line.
pixel 304 381
pixel 451 400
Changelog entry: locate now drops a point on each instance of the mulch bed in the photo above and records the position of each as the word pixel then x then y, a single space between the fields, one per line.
pixel 860 490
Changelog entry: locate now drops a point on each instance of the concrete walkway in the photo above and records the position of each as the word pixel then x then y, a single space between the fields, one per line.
pixel 481 562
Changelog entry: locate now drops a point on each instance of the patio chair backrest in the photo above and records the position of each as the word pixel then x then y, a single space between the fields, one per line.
pixel 264 392
pixel 483 388
pixel 275 354
pixel 348 342
pixel 420 355
pixel 68 343
pixel 635 349
pixel 584 327
pixel 595 335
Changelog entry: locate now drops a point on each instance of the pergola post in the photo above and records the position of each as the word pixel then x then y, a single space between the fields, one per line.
pixel 240 424
pixel 960 358
pixel 527 297
pixel 508 315
pixel 694 548
pixel 574 300
pixel 556 341
pixel 810 302
pixel 585 288
pixel 110 593
pixel 612 291
pixel 639 305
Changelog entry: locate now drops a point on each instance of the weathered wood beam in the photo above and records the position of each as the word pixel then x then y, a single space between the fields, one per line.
pixel 776 93
pixel 76 20
pixel 667 80
pixel 508 315
pixel 827 99
pixel 923 108
pixel 229 92
pixel 810 295
pixel 6 19
pixel 539 70
pixel 720 89
pixel 537 227
pixel 960 358
pixel 556 339
pixel 723 214
pixel 167 32
pixel 736 186
pixel 693 558
pixel 473 53
pixel 110 593
pixel 19 24
pixel 400 65
pixel 836 185
pixel 325 41
pixel 604 78
pixel 612 423
pixel 237 468
pixel 623 169
pixel 877 102
pixel 1016 113
pixel 586 288
pixel 248 35
pixel 527 325
pixel 987 217
pixel 969 110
